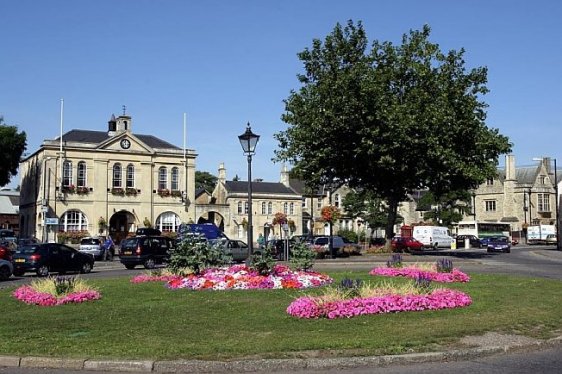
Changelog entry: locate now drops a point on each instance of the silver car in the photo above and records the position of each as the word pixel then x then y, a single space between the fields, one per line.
pixel 92 246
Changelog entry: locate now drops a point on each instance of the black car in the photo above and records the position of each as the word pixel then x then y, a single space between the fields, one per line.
pixel 145 250
pixel 499 244
pixel 473 240
pixel 50 257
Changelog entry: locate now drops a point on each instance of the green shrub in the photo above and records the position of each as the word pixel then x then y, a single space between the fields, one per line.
pixel 263 261
pixel 349 235
pixel 302 257
pixel 197 255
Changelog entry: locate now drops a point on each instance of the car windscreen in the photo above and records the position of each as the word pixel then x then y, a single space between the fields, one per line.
pixel 129 243
pixel 90 241
pixel 28 249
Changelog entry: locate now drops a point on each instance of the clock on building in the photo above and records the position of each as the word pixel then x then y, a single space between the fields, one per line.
pixel 125 143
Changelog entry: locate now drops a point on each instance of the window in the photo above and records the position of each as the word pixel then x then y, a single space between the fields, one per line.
pixel 263 208
pixel 175 179
pixel 304 202
pixel 490 205
pixel 130 176
pixel 239 207
pixel 490 182
pixel 67 173
pixel 337 200
pixel 168 222
pixel 292 208
pixel 246 207
pixel 319 203
pixel 117 176
pixel 285 208
pixel 543 202
pixel 81 174
pixel 162 178
pixel 270 208
pixel 73 220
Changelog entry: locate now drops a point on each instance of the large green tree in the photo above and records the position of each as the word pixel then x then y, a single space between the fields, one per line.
pixel 370 208
pixel 448 208
pixel 389 119
pixel 205 180
pixel 12 146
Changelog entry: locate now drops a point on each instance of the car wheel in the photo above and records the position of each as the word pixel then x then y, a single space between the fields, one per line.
pixel 149 263
pixel 18 273
pixel 43 271
pixel 86 268
pixel 5 273
pixel 130 266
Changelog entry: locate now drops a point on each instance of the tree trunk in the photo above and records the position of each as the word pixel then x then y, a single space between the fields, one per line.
pixel 392 212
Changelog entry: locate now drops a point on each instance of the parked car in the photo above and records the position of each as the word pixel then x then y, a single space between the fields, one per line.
pixel 473 240
pixel 145 250
pixel 551 239
pixel 50 257
pixel 6 270
pixel 94 247
pixel 5 253
pixel 235 248
pixel 27 241
pixel 499 244
pixel 351 248
pixel 405 244
pixel 323 241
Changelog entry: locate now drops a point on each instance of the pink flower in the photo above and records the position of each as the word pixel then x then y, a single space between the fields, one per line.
pixel 412 272
pixel 29 296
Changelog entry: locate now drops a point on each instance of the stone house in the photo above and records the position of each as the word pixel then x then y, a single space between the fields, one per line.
pixel 105 182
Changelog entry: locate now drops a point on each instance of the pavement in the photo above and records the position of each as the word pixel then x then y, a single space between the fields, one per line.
pixel 469 347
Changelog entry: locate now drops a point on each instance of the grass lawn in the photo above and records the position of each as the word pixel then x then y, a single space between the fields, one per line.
pixel 149 321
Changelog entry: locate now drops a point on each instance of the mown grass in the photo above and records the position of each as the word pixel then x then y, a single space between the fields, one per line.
pixel 152 322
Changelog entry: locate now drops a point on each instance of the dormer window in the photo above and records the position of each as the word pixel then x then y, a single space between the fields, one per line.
pixel 542 179
pixel 490 182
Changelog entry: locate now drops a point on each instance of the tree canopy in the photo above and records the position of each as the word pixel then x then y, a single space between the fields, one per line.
pixel 205 180
pixel 389 119
pixel 12 144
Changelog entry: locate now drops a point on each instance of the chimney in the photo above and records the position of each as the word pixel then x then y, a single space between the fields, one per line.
pixel 222 173
pixel 285 176
pixel 510 167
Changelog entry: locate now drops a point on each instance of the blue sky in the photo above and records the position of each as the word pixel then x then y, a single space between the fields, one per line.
pixel 225 63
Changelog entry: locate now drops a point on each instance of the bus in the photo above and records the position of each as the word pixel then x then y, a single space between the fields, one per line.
pixel 484 229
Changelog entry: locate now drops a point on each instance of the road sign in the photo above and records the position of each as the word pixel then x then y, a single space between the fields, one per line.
pixel 51 221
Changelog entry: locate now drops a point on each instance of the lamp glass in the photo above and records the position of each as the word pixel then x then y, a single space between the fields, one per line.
pixel 248 140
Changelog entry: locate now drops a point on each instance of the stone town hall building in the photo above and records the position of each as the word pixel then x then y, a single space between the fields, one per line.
pixel 106 182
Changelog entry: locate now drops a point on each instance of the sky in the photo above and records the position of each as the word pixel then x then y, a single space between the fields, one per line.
pixel 227 63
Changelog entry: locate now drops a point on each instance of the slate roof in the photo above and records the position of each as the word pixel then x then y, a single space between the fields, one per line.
pixel 9 202
pixel 258 187
pixel 299 186
pixel 90 136
pixel 527 175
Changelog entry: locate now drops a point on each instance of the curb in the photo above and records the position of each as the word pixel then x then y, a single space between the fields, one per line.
pixel 269 365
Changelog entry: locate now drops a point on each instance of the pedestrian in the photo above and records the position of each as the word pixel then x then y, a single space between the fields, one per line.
pixel 261 240
pixel 109 249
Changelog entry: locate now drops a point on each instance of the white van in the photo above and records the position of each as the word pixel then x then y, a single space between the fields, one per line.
pixel 433 236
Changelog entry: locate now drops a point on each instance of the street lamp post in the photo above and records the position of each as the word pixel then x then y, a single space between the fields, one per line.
pixel 557 223
pixel 474 205
pixel 248 141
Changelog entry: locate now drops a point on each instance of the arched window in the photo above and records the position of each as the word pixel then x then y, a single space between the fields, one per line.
pixel 162 178
pixel 175 179
pixel 117 176
pixel 81 174
pixel 263 208
pixel 239 207
pixel 270 208
pixel 73 220
pixel 67 173
pixel 168 222
pixel 130 183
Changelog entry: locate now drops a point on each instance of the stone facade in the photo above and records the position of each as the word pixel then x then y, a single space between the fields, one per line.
pixel 118 177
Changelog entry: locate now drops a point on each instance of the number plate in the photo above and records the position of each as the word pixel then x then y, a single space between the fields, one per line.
pixel 20 260
pixel 128 252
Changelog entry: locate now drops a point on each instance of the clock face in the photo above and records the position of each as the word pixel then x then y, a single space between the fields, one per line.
pixel 125 143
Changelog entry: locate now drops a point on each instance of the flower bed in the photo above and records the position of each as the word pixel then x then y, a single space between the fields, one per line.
pixel 30 296
pixel 413 272
pixel 242 277
pixel 142 278
pixel 315 307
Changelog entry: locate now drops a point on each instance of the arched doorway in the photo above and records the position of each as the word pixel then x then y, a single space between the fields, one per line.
pixel 121 224
pixel 212 217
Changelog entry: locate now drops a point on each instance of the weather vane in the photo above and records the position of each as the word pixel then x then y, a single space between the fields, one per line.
pixel 124 108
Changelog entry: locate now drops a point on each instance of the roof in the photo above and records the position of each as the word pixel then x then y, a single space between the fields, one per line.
pixel 9 204
pixel 299 187
pixel 90 136
pixel 258 187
